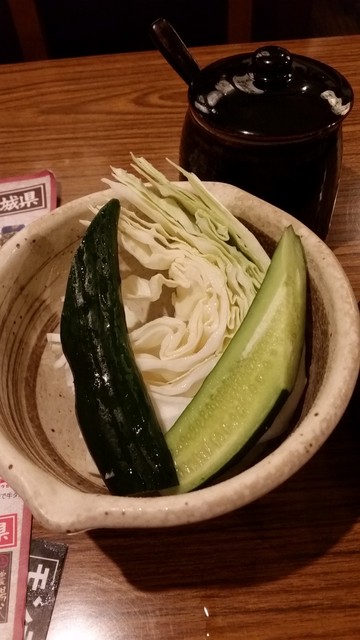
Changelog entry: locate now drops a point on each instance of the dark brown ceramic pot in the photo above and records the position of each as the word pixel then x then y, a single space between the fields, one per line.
pixel 270 123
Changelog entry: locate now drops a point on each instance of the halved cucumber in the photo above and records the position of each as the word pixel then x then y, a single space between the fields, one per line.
pixel 252 379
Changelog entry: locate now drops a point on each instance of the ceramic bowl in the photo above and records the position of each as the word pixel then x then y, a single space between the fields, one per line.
pixel 42 455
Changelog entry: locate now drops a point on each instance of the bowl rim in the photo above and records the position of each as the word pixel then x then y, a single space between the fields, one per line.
pixel 81 511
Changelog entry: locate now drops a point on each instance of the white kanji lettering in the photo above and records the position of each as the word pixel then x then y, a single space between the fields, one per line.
pixel 28 617
pixel 29 198
pixel 4 533
pixel 9 204
pixel 28 634
pixel 39 577
pixel 14 202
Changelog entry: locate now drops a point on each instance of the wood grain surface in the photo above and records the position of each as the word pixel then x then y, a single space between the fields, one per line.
pixel 284 568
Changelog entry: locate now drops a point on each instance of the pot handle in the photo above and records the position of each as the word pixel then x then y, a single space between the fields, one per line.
pixel 173 49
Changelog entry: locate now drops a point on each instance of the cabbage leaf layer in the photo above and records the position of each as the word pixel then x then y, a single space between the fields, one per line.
pixel 189 271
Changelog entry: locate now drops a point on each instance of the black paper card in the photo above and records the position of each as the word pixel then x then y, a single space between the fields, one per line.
pixel 45 567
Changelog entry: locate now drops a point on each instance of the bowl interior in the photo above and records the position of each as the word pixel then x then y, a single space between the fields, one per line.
pixel 37 418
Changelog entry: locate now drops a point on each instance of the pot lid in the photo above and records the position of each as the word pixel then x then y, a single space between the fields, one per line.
pixel 271 94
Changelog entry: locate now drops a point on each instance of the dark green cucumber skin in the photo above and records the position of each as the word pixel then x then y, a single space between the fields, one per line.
pixel 114 411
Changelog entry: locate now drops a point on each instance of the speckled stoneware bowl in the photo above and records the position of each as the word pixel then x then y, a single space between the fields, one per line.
pixel 41 453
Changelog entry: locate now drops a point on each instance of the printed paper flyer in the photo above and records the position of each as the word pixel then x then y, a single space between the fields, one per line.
pixel 15 530
pixel 25 578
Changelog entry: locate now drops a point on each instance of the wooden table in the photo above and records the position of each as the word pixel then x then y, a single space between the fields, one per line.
pixel 284 568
